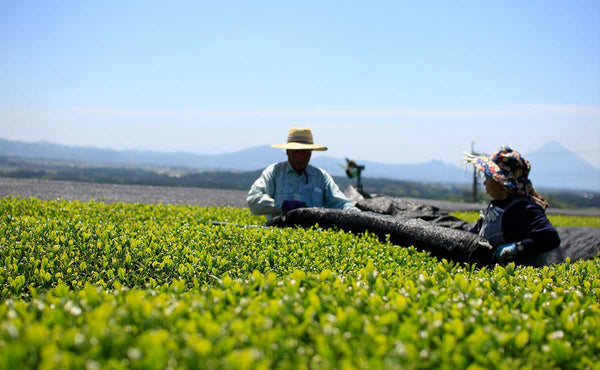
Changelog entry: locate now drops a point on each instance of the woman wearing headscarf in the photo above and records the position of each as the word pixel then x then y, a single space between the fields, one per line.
pixel 515 221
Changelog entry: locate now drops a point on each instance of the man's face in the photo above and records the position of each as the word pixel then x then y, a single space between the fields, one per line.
pixel 299 158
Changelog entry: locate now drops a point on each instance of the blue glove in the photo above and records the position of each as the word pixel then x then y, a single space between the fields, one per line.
pixel 289 205
pixel 506 253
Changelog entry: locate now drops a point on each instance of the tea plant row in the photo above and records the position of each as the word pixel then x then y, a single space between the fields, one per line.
pixel 88 284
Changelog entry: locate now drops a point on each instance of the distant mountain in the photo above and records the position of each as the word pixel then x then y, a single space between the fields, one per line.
pixel 245 160
pixel 430 172
pixel 553 166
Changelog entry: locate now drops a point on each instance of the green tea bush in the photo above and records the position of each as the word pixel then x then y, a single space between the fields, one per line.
pixel 94 285
pixel 47 243
pixel 556 220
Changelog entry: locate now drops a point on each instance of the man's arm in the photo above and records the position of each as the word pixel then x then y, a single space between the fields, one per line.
pixel 260 197
pixel 334 198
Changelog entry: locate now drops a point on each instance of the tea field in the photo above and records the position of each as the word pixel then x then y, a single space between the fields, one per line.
pixel 118 286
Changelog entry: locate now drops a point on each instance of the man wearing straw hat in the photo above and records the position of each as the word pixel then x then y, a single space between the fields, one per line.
pixel 294 183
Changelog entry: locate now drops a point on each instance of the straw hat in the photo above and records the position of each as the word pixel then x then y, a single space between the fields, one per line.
pixel 300 138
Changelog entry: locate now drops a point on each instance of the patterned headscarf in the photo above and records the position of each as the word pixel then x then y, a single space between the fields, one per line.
pixel 509 168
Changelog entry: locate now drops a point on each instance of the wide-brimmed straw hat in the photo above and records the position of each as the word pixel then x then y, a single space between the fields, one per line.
pixel 509 168
pixel 300 138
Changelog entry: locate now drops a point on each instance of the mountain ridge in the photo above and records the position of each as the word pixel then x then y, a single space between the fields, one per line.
pixel 553 166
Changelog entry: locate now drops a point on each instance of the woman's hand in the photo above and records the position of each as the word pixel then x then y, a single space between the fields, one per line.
pixel 507 252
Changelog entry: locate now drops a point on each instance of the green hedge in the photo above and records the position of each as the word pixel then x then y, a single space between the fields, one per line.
pixel 88 284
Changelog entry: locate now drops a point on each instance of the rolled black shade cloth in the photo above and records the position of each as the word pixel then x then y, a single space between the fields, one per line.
pixel 442 242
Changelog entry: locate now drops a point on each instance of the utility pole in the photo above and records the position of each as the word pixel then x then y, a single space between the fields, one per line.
pixel 474 196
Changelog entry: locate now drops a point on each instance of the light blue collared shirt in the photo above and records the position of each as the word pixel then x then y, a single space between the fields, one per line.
pixel 279 182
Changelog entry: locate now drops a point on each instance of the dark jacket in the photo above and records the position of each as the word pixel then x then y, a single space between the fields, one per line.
pixel 525 222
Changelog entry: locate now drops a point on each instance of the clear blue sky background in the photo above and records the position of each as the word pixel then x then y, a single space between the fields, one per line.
pixel 389 81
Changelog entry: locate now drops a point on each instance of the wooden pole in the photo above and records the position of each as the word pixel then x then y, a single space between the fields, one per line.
pixel 474 195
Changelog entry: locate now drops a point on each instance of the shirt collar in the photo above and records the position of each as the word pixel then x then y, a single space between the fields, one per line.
pixel 289 168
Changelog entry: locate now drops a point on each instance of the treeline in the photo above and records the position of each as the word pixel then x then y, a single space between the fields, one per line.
pixel 396 188
pixel 131 176
pixel 18 168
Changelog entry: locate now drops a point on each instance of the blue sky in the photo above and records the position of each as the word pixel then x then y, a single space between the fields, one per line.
pixel 388 81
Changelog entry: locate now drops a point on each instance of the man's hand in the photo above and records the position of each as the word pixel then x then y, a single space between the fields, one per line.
pixel 289 205
pixel 506 253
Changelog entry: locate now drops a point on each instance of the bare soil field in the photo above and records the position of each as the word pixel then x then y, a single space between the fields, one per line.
pixel 112 193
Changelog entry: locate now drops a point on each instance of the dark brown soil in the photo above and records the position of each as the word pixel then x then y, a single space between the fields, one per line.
pixel 110 193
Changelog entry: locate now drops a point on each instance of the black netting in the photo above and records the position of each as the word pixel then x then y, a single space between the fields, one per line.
pixel 457 245
pixel 405 208
pixel 575 243
pixel 425 228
